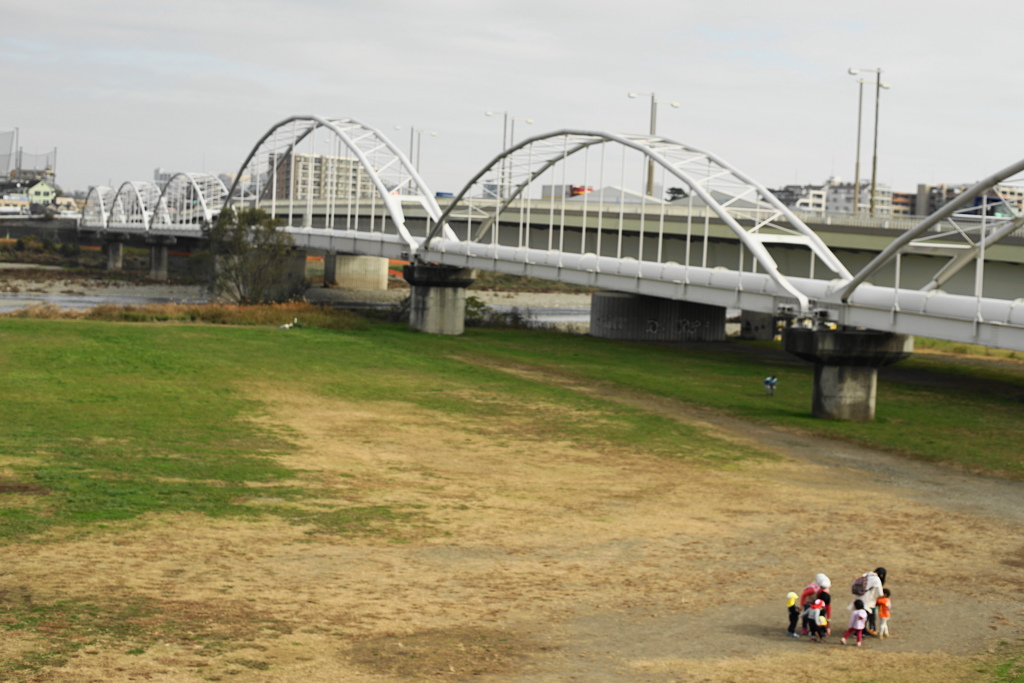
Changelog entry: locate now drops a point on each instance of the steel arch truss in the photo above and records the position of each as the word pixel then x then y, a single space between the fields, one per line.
pixel 493 207
pixel 96 211
pixel 188 201
pixel 336 175
pixel 133 206
pixel 963 230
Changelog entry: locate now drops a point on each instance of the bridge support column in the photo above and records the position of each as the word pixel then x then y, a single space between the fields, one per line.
pixel 438 302
pixel 114 249
pixel 158 248
pixel 357 272
pixel 758 326
pixel 295 282
pixel 846 366
pixel 330 269
pixel 634 317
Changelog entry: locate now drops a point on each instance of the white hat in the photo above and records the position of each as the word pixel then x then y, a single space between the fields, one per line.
pixel 823 581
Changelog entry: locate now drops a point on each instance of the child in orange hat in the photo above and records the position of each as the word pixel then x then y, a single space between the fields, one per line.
pixel 814 617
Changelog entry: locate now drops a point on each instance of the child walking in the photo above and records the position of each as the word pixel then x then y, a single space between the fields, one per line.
pixel 814 617
pixel 858 620
pixel 884 606
pixel 794 613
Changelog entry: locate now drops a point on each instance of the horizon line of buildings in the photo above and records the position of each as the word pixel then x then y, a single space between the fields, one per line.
pixel 837 197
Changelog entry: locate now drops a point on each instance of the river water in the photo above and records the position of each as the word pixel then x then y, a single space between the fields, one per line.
pixel 13 301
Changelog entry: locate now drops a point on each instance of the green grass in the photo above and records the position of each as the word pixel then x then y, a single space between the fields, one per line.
pixel 114 421
pixel 1009 665
pixel 928 407
pixel 111 422
pixel 117 420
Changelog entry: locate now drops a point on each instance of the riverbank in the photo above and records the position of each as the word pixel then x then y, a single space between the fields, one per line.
pixel 24 285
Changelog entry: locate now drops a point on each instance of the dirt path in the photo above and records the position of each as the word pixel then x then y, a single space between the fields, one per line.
pixel 535 560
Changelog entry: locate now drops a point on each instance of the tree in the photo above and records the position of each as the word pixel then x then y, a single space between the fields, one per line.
pixel 249 258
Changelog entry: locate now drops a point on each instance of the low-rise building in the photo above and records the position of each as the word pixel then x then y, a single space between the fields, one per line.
pixel 930 198
pixel 41 193
pixel 835 196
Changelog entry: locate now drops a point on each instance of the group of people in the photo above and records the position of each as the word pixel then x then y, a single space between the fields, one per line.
pixel 812 609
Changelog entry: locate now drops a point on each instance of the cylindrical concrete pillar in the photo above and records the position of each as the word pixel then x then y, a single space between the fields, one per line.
pixel 438 300
pixel 846 366
pixel 158 262
pixel 115 254
pixel 844 392
pixel 634 317
pixel 330 269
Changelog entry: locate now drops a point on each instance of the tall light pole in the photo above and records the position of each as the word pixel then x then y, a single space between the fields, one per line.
pixel 505 144
pixel 856 168
pixel 654 127
pixel 415 143
pixel 874 160
pixel 512 129
pixel 419 144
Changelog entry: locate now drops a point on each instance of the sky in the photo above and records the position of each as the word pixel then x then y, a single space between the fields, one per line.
pixel 121 87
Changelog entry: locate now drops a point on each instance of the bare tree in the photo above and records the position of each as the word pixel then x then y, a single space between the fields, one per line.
pixel 249 258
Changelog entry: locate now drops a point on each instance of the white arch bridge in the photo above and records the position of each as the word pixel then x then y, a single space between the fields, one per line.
pixel 570 206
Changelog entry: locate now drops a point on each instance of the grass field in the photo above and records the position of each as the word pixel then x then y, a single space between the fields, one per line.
pixel 107 427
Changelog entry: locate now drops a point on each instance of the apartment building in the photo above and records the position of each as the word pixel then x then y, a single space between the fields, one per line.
pixel 322 177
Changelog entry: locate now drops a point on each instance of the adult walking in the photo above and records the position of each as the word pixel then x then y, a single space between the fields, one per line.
pixel 816 590
pixel 871 583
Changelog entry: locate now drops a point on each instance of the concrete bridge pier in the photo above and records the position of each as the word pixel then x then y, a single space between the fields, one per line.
pixel 438 301
pixel 113 247
pixel 330 269
pixel 846 366
pixel 159 246
pixel 635 317
pixel 355 272
pixel 757 326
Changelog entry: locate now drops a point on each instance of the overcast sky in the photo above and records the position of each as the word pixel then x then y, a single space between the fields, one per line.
pixel 121 87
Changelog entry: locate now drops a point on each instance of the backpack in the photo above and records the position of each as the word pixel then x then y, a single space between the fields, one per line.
pixel 860 585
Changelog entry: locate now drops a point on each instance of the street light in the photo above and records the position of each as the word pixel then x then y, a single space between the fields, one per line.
pixel 505 141
pixel 874 160
pixel 512 129
pixel 419 143
pixel 654 125
pixel 415 142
